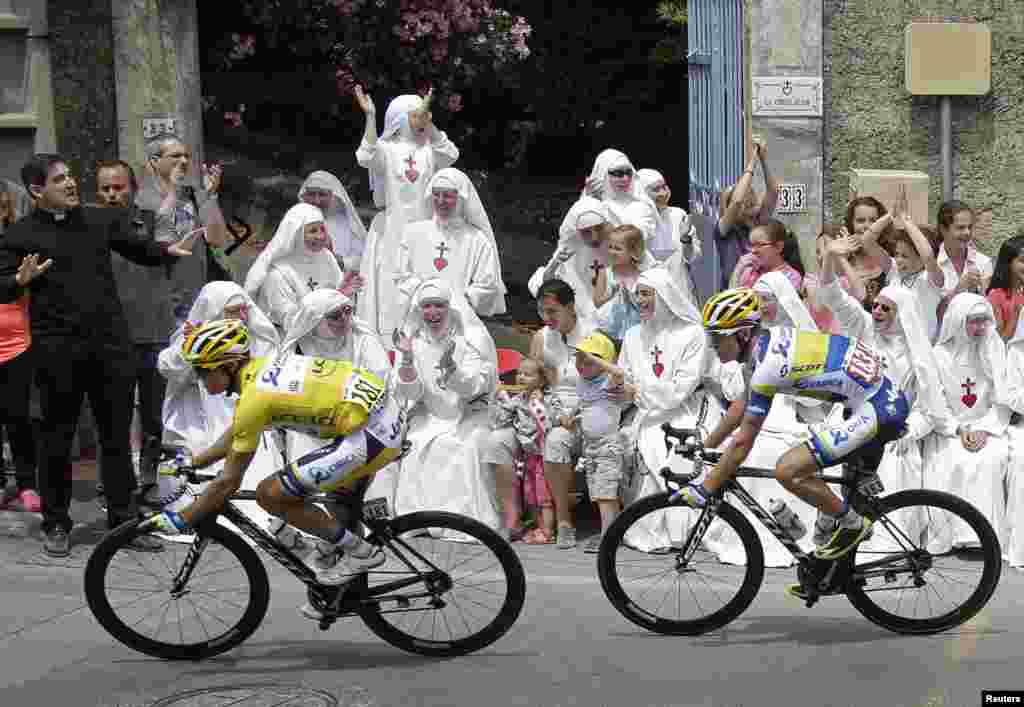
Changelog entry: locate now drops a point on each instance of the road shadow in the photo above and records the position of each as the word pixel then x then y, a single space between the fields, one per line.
pixel 812 631
pixel 259 658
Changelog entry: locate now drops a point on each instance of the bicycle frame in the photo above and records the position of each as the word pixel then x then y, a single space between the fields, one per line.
pixel 288 559
pixel 766 519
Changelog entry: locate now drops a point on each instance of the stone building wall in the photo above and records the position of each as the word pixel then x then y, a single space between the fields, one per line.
pixel 785 41
pixel 82 56
pixel 872 122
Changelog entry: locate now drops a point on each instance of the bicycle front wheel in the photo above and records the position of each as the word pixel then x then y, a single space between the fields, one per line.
pixel 660 592
pixel 932 563
pixel 133 594
pixel 478 593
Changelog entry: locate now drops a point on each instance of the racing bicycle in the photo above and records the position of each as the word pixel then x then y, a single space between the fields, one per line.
pixel 931 562
pixel 450 585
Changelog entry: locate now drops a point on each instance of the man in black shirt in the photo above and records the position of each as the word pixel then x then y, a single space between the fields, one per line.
pixel 80 342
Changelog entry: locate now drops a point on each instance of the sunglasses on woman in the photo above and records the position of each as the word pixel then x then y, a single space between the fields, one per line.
pixel 620 172
pixel 884 308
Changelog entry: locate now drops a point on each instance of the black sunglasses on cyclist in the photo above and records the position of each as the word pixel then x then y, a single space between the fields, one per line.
pixel 884 307
pixel 625 172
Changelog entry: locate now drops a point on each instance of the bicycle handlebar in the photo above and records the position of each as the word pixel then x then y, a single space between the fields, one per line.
pixel 689 445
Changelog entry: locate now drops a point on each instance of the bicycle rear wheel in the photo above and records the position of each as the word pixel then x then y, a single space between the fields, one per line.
pixel 221 605
pixel 477 603
pixel 932 563
pixel 656 591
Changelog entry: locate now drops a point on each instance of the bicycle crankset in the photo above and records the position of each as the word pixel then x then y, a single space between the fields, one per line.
pixel 820 578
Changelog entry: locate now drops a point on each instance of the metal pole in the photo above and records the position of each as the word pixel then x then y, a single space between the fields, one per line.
pixel 946 139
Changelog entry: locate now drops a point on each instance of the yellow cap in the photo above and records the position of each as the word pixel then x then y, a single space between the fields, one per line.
pixel 599 345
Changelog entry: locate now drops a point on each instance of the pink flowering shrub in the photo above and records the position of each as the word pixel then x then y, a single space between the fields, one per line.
pixel 387 46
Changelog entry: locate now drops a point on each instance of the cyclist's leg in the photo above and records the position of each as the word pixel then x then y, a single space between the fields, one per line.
pixel 337 467
pixel 283 494
pixel 797 471
pixel 863 434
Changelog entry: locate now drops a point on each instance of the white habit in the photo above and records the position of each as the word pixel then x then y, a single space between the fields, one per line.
pixel 400 169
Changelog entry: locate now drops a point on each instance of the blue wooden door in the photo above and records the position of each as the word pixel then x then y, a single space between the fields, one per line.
pixel 716 74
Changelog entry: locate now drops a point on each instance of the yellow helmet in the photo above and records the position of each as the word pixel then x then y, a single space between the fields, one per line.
pixel 214 343
pixel 729 310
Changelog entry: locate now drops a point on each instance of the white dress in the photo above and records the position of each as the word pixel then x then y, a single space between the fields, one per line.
pixel 667 367
pixel 447 431
pixel 977 477
pixel 406 169
pixel 969 368
pixel 456 252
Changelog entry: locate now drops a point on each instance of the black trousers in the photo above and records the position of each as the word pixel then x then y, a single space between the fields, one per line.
pixel 152 387
pixel 15 393
pixel 67 370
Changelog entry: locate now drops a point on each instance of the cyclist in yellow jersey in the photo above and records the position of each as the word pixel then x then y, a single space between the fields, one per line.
pixel 350 408
pixel 784 361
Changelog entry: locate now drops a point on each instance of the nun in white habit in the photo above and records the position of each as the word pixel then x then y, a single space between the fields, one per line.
pixel 582 252
pixel 324 326
pixel 195 419
pixel 972 458
pixel 613 181
pixel 673 222
pixel 664 359
pixel 456 245
pixel 1013 533
pixel 900 336
pixel 297 261
pixel 345 228
pixel 675 240
pixel 401 162
pixel 456 373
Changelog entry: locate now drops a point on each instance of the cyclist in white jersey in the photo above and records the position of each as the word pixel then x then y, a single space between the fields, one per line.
pixel 839 369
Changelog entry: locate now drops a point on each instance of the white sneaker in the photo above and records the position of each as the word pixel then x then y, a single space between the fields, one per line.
pixel 362 558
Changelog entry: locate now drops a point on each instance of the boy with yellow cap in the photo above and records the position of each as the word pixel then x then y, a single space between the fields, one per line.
pixel 597 419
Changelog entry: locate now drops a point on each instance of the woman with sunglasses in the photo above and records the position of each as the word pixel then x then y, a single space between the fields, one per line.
pixel 325 326
pixel 613 181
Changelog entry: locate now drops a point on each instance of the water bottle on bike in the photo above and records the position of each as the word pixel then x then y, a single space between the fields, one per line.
pixel 785 517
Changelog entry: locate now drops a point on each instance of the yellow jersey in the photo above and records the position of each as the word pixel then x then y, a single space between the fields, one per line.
pixel 318 396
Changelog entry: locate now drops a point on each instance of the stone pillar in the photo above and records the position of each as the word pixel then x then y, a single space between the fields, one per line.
pixel 29 127
pixel 40 83
pixel 786 105
pixel 156 60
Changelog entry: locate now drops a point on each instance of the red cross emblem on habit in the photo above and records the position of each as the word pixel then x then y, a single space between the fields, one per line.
pixel 968 398
pixel 440 262
pixel 658 366
pixel 597 267
pixel 411 173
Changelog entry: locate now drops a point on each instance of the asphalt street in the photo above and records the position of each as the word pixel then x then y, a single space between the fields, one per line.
pixel 569 648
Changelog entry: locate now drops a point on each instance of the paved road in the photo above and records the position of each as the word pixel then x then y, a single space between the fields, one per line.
pixel 569 648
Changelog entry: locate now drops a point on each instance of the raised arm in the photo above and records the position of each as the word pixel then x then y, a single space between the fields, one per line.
pixel 731 216
pixel 602 293
pixel 848 311
pixel 869 241
pixel 365 104
pixel 924 249
pixel 771 192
